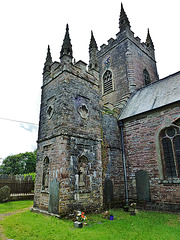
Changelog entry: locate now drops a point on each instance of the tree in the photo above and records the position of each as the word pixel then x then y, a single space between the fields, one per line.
pixel 21 163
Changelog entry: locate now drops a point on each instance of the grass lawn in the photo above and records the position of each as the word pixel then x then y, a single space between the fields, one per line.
pixel 145 225
pixel 14 206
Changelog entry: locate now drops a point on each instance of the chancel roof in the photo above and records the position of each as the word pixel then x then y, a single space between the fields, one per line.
pixel 155 95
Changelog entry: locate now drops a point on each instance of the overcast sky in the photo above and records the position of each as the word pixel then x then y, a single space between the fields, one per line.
pixel 28 26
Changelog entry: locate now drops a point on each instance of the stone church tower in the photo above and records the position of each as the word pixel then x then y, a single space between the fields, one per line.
pixel 69 167
pixel 125 65
pixel 79 155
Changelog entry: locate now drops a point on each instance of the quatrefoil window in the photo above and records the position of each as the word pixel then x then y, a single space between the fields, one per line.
pixel 83 111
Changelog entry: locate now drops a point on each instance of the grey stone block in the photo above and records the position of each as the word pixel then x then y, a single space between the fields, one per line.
pixel 78 224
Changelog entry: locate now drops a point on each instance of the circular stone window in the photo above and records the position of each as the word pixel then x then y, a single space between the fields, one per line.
pixel 83 111
pixel 171 131
pixel 50 112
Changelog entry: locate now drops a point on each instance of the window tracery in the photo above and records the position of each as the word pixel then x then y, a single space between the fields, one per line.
pixel 170 141
pixel 147 79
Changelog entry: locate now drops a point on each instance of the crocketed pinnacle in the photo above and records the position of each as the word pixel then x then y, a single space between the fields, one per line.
pixel 66 47
pixel 149 41
pixel 48 57
pixel 93 43
pixel 93 49
pixel 48 62
pixel 123 20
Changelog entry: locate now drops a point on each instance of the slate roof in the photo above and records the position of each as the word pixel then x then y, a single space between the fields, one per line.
pixel 155 95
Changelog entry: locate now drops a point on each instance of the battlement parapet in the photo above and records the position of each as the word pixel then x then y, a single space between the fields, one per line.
pixel 122 36
pixel 78 69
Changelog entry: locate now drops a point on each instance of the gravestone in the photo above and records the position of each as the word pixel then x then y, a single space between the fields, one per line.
pixel 4 194
pixel 108 191
pixel 142 186
pixel 54 197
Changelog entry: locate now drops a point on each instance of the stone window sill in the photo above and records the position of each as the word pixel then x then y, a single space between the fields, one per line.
pixel 106 93
pixel 45 191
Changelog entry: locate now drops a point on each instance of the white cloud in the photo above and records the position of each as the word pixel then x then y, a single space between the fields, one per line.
pixel 15 139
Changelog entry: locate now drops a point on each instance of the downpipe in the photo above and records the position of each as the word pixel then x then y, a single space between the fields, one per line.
pixel 121 125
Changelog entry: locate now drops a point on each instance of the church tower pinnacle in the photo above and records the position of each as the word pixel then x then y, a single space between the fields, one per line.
pixel 48 62
pixel 66 50
pixel 123 20
pixel 149 44
pixel 92 42
pixel 93 61
pixel 149 41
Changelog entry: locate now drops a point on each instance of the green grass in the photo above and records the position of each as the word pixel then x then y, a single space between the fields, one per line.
pixel 14 206
pixel 145 225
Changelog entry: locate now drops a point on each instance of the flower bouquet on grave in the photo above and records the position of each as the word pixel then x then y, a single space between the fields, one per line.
pixel 80 219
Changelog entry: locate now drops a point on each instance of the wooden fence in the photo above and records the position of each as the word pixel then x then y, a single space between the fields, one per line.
pixel 18 183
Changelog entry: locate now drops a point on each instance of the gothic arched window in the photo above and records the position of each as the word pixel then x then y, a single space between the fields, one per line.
pixel 170 141
pixel 45 179
pixel 147 79
pixel 107 81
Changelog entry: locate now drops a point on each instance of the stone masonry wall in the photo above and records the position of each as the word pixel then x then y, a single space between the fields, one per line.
pixel 140 60
pixel 65 98
pixel 142 150
pixel 112 158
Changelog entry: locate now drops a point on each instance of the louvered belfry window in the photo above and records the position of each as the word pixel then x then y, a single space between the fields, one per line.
pixel 170 140
pixel 107 80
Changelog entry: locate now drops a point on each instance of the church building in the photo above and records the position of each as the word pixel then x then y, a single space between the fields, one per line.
pixel 109 132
